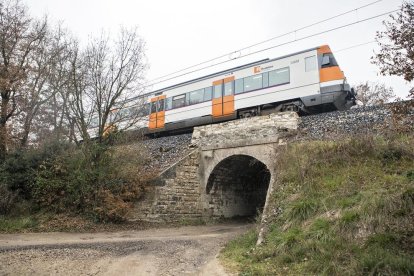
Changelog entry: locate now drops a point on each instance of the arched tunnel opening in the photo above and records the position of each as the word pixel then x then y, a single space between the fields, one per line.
pixel 237 187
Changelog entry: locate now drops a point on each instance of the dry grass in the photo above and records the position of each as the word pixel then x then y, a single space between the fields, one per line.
pixel 352 213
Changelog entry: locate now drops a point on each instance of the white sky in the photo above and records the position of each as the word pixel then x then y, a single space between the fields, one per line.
pixel 182 33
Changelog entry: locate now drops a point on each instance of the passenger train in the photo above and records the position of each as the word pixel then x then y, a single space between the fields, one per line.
pixel 308 82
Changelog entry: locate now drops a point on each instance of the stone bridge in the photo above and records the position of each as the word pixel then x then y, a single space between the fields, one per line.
pixel 231 170
pixel 227 175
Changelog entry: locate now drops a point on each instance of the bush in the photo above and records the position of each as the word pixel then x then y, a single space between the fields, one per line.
pixel 93 180
pixel 18 171
pixel 7 200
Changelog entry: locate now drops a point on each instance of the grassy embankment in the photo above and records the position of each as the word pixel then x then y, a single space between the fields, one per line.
pixel 345 208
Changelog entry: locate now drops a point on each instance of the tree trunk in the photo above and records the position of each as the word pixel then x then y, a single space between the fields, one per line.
pixel 3 127
pixel 25 136
pixel 27 126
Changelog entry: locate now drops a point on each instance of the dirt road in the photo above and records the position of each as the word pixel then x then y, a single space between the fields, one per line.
pixel 174 251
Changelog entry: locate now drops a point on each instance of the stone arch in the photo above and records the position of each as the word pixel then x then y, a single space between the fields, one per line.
pixel 237 186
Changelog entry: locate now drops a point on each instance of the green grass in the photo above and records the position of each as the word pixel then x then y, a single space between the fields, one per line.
pixel 347 209
pixel 19 224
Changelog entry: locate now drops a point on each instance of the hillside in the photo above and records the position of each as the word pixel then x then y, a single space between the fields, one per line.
pixel 341 207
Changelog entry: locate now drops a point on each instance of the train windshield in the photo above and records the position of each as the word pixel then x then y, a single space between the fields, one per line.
pixel 328 60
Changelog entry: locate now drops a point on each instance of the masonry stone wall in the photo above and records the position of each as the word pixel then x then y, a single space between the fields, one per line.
pixel 175 194
pixel 242 132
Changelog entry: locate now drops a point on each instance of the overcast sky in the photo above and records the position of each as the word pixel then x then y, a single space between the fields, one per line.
pixel 182 33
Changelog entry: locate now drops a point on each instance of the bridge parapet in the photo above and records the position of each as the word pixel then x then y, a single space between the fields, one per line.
pixel 245 132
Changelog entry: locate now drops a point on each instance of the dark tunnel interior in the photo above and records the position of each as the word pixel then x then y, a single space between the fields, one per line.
pixel 237 187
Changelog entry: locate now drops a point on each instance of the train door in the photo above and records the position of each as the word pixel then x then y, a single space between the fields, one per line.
pixel 157 114
pixel 223 97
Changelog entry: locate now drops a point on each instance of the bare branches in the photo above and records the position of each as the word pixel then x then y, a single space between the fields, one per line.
pixel 47 81
pixel 396 56
pixel 50 87
pixel 113 72
pixel 374 93
pixel 20 36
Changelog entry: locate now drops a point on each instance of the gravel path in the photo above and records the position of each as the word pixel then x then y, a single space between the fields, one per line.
pixel 174 251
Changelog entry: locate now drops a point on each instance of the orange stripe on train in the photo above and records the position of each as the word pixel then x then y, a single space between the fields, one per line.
pixel 324 49
pixel 330 74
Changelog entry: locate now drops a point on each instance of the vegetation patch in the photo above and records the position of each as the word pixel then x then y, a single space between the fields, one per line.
pixel 95 182
pixel 346 207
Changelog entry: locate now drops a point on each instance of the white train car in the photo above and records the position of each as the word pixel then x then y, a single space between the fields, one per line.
pixel 309 81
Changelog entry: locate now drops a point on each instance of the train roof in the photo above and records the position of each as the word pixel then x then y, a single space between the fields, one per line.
pixel 159 91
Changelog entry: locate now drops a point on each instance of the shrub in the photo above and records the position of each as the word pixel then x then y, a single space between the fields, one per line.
pixel 7 200
pixel 17 173
pixel 110 207
pixel 94 180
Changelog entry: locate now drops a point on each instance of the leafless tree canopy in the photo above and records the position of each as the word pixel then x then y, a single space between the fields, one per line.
pixel 20 37
pixel 103 78
pixel 396 56
pixel 374 93
pixel 51 88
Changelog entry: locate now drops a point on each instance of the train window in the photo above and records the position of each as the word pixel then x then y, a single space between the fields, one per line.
pixel 217 91
pixel 187 98
pixel 178 101
pixel 228 88
pixel 160 106
pixel 265 77
pixel 146 109
pixel 94 122
pixel 142 110
pixel 252 82
pixel 168 103
pixel 113 115
pixel 133 111
pixel 153 107
pixel 124 112
pixel 279 76
pixel 328 60
pixel 238 86
pixel 196 96
pixel 208 92
pixel 310 64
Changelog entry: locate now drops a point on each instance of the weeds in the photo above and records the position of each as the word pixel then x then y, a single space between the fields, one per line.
pixel 301 209
pixel 17 223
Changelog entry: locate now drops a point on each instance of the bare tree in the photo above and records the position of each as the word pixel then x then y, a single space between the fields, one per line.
pixel 396 56
pixel 374 93
pixel 19 37
pixel 47 111
pixel 79 102
pixel 103 78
